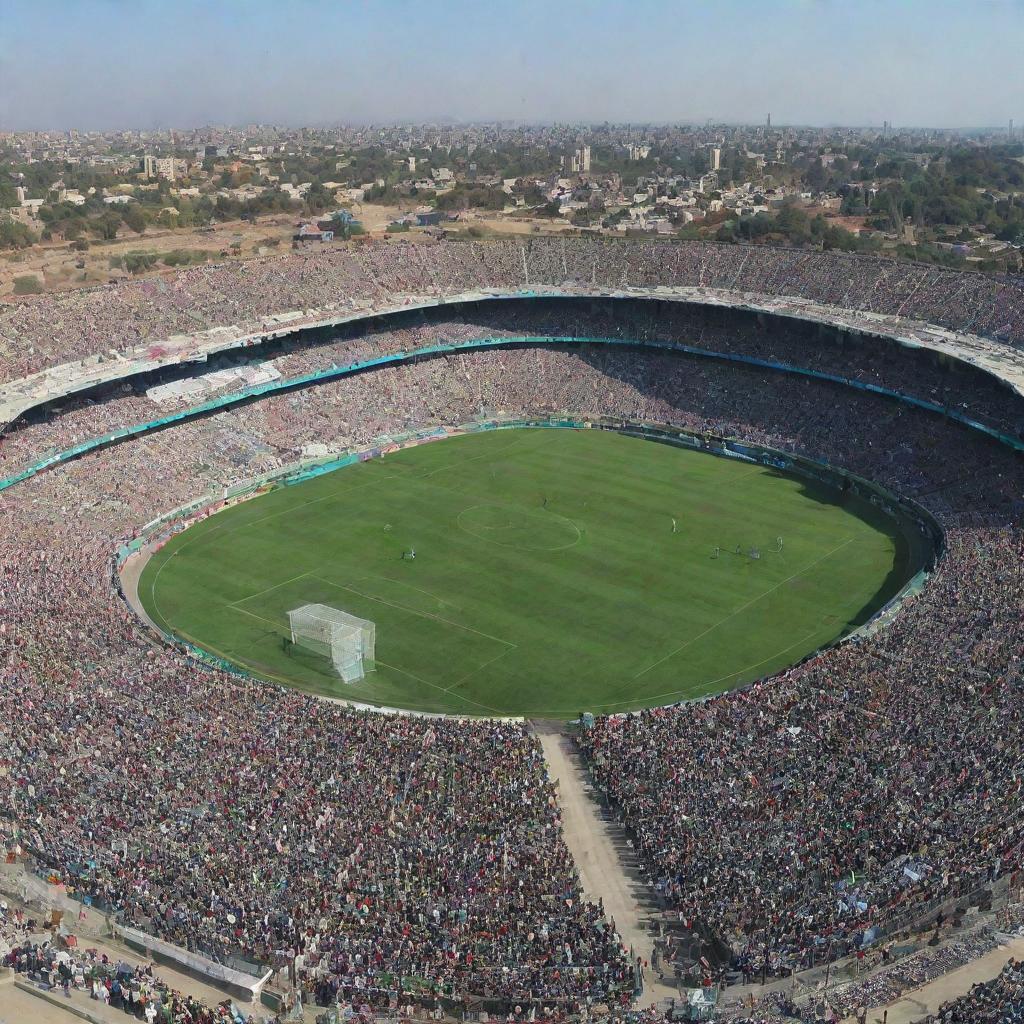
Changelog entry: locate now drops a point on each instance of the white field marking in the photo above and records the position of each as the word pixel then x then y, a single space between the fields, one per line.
pixel 744 607
pixel 413 611
pixel 706 682
pixel 336 493
pixel 223 527
pixel 518 508
pixel 251 670
pixel 711 682
pixel 479 668
pixel 426 682
pixel 394 668
pixel 229 529
pixel 260 593
pixel 673 693
pixel 402 583
pixel 152 589
pixel 278 627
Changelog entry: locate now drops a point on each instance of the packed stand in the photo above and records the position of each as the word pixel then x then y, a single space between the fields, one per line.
pixel 423 855
pixel 999 1001
pixel 143 314
pixel 962 390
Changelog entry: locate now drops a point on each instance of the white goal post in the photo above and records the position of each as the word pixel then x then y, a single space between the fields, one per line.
pixel 346 639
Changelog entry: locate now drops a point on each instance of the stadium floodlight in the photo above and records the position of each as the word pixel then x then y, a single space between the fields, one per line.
pixel 346 639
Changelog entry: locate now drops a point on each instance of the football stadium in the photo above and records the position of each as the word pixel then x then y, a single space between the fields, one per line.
pixel 338 589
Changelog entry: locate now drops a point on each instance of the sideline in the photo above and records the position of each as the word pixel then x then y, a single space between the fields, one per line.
pixel 155 533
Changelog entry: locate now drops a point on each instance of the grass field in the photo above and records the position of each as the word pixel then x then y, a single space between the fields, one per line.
pixel 547 577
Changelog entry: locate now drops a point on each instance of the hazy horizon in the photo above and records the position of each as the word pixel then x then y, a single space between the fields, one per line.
pixel 114 64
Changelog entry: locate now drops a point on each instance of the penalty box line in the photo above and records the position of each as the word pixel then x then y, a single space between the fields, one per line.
pixel 743 607
pixel 260 593
pixel 369 597
pixel 394 668
pixel 412 611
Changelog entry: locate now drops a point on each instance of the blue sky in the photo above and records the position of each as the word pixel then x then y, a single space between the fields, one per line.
pixel 177 63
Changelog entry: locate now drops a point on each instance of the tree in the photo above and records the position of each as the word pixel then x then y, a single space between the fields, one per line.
pixel 14 234
pixel 794 223
pixel 815 175
pixel 135 219
pixel 106 225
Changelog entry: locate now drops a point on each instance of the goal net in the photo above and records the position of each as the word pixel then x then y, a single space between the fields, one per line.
pixel 346 639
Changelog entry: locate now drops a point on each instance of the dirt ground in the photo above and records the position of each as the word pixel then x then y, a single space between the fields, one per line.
pixel 604 861
pixel 608 871
pixel 92 932
pixel 59 268
pixel 916 1005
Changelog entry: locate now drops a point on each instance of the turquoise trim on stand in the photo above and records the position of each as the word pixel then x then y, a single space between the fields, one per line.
pixel 476 345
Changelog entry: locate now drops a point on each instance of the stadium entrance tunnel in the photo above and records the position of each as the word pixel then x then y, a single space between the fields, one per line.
pixel 537 567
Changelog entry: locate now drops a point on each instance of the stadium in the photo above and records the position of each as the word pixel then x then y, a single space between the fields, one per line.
pixel 304 560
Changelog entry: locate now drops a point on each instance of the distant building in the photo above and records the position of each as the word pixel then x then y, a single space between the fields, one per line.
pixel 313 233
pixel 166 167
pixel 162 167
pixel 716 158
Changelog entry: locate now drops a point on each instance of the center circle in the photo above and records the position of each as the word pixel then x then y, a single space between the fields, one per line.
pixel 534 571
pixel 512 526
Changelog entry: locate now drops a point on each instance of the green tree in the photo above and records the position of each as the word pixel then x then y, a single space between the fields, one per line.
pixel 135 218
pixel 14 234
pixel 106 225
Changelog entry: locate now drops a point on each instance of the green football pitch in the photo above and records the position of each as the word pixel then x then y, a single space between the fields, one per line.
pixel 555 571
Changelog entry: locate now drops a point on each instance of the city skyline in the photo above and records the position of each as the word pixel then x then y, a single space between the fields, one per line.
pixel 111 65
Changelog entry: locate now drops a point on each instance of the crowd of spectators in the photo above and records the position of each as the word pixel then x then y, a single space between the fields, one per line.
pixel 962 390
pixel 999 1001
pixel 135 990
pixel 390 853
pixel 43 331
pixel 50 960
pixel 878 756
pixel 898 976
pixel 386 851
